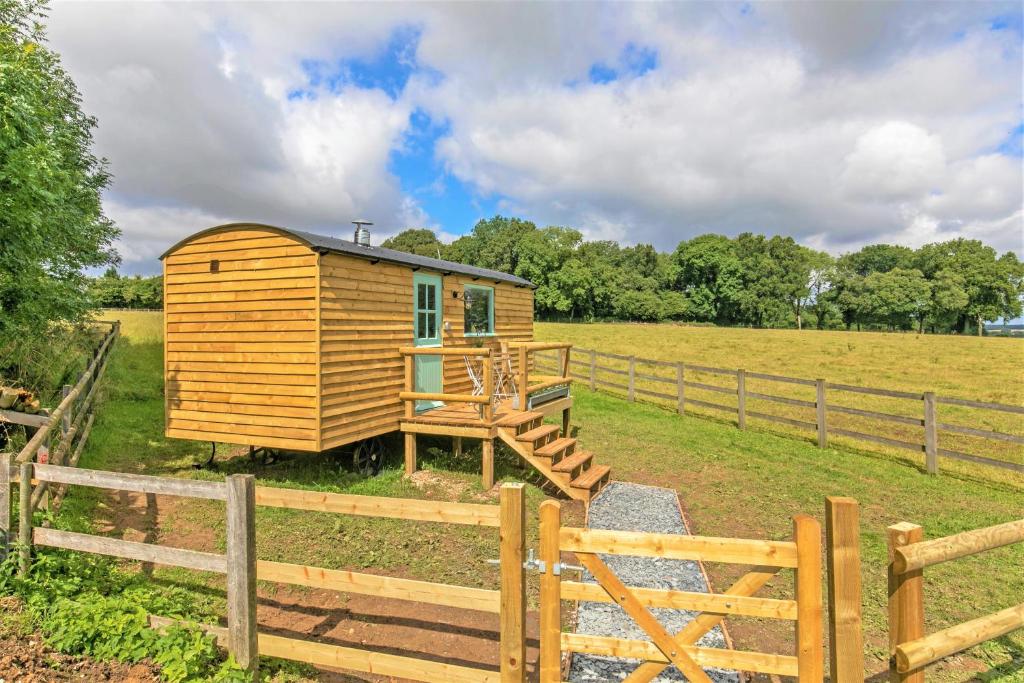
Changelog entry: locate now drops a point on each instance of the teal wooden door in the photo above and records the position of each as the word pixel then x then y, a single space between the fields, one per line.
pixel 426 308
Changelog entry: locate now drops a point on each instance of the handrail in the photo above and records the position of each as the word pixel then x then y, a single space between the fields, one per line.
pixel 485 400
pixel 931 648
pixel 540 346
pixel 444 351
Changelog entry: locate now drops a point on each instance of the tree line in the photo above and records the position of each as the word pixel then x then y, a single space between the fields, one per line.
pixel 129 291
pixel 749 280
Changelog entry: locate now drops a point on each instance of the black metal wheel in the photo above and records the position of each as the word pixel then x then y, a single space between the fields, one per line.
pixel 368 457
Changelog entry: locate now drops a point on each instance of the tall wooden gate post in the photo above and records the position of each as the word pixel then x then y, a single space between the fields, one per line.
pixel 931 434
pixel 842 534
pixel 906 600
pixel 512 533
pixel 25 517
pixel 550 593
pixel 6 463
pixel 241 560
pixel 810 651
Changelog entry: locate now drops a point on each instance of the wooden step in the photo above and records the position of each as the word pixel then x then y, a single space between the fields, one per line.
pixel 541 433
pixel 517 419
pixel 573 464
pixel 591 478
pixel 556 448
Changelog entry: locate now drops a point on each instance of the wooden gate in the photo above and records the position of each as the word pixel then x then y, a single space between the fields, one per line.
pixel 802 554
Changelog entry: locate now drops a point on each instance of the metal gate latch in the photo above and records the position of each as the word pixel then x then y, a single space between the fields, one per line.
pixel 541 567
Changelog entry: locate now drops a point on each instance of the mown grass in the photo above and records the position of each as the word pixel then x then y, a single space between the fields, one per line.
pixel 987 369
pixel 732 483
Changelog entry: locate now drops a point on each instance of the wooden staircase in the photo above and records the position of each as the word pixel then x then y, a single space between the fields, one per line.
pixel 556 457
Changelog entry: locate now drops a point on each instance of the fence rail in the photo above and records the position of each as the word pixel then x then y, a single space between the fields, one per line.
pixel 638 378
pixel 910 649
pixel 242 568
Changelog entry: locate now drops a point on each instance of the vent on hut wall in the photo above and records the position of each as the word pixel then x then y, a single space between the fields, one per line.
pixel 362 232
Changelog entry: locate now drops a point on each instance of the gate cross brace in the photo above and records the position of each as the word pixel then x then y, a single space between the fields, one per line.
pixel 746 585
pixel 622 596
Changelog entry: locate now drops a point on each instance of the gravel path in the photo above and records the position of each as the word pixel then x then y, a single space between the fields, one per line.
pixel 631 507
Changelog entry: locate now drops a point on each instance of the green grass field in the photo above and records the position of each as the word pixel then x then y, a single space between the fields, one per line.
pixel 732 483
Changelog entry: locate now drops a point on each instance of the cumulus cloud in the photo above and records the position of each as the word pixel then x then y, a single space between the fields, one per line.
pixel 837 123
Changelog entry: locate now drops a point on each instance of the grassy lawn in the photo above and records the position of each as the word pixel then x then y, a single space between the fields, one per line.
pixel 732 483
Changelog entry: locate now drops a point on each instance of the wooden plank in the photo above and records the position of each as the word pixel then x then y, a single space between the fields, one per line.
pixel 632 379
pixel 143 552
pixel 14 417
pixel 981 460
pixel 927 553
pixel 550 660
pixel 741 399
pixel 983 433
pixel 240 438
pixel 680 389
pixel 713 371
pixel 512 539
pixel 708 404
pixel 906 600
pixel 783 420
pixel 447 398
pixel 655 394
pixel 711 387
pixel 780 378
pixel 380 586
pixel 878 439
pixel 842 533
pixel 643 618
pixel 919 653
pixel 241 570
pixel 783 399
pixel 25 518
pixel 782 665
pixel 980 404
pixel 810 651
pixel 471 514
pixel 874 392
pixel 715 603
pixel 821 413
pixel 676 547
pixel 888 417
pixel 931 434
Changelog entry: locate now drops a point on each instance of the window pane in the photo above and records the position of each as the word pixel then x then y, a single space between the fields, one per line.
pixel 478 311
pixel 431 303
pixel 431 326
pixel 421 327
pixel 421 300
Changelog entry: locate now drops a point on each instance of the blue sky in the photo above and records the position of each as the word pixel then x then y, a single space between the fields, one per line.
pixel 840 124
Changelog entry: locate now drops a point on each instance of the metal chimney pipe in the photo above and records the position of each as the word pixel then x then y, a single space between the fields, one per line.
pixel 362 232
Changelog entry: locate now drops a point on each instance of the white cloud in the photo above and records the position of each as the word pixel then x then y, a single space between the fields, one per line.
pixel 838 123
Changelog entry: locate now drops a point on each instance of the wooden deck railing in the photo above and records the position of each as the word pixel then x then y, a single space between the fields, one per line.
pixel 486 399
pixel 911 650
pixel 525 351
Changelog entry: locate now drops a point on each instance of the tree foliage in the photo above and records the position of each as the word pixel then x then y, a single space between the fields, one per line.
pixel 52 225
pixel 750 280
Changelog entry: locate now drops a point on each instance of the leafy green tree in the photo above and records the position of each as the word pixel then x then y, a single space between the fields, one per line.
pixel 52 225
pixel 419 241
pixel 897 296
pixel 709 273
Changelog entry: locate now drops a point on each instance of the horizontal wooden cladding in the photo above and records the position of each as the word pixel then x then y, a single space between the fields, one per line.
pixel 262 408
pixel 676 547
pixel 240 426
pixel 249 336
pixel 257 317
pixel 293 297
pixel 214 394
pixel 270 421
pixel 206 330
pixel 365 432
pixel 203 258
pixel 243 347
pixel 380 586
pixel 172 288
pixel 267 275
pixel 384 401
pixel 471 514
pixel 697 602
pixel 266 390
pixel 268 307
pixel 240 437
pixel 783 665
pixel 241 242
pixel 240 357
pixel 255 369
pixel 243 264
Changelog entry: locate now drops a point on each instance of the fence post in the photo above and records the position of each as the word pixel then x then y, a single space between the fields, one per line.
pixel 550 593
pixel 25 517
pixel 632 378
pixel 65 423
pixel 931 434
pixel 842 534
pixel 6 462
pixel 810 650
pixel 512 533
pixel 680 389
pixel 741 399
pixel 821 419
pixel 906 600
pixel 241 557
pixel 593 370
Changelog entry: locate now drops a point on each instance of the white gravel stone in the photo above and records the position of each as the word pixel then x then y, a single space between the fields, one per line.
pixel 631 507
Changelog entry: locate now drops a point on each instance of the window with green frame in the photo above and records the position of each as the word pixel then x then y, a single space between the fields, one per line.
pixel 479 317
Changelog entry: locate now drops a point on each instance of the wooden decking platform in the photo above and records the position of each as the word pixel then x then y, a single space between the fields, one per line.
pixel 463 419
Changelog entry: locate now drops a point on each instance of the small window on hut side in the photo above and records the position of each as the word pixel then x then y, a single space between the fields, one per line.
pixel 479 303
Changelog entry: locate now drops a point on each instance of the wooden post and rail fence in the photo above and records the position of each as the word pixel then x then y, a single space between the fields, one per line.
pixel 622 374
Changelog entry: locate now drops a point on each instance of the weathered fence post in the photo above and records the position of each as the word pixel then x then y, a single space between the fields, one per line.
pixel 741 399
pixel 931 434
pixel 65 423
pixel 241 559
pixel 842 537
pixel 25 517
pixel 906 600
pixel 487 463
pixel 513 583
pixel 632 378
pixel 810 651
pixel 821 418
pixel 680 389
pixel 6 463
pixel 593 370
pixel 550 593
